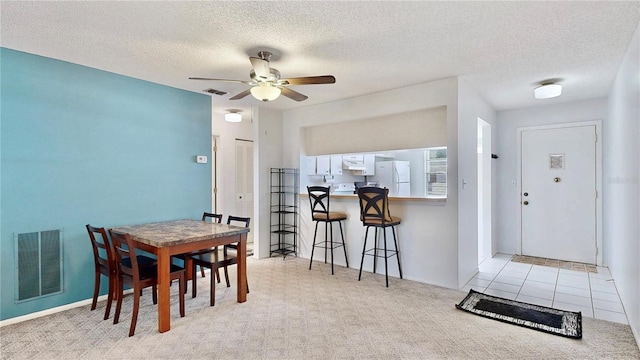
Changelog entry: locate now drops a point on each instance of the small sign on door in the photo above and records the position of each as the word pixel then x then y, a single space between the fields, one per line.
pixel 556 161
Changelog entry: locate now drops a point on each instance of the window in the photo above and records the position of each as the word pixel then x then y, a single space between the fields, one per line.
pixel 436 171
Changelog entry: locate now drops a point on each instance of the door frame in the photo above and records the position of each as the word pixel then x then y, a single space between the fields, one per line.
pixel 215 170
pixel 484 205
pixel 598 145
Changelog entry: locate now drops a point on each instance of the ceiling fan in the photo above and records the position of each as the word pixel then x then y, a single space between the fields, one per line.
pixel 266 84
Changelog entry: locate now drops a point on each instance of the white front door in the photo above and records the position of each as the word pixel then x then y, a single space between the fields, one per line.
pixel 558 193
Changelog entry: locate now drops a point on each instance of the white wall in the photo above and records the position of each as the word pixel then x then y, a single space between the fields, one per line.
pixel 268 153
pixel 470 107
pixel 428 234
pixel 509 121
pixel 621 194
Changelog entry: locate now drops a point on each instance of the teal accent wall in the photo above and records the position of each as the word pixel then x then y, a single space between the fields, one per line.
pixel 84 146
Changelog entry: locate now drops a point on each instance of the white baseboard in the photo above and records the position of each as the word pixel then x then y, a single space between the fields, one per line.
pixel 35 315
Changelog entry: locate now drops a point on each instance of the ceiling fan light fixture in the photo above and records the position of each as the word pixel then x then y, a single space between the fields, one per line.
pixel 547 91
pixel 265 91
pixel 233 117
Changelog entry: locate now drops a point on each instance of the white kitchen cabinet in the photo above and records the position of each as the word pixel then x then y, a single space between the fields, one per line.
pixel 323 165
pixel 311 165
pixel 370 164
pixel 336 165
pixel 319 165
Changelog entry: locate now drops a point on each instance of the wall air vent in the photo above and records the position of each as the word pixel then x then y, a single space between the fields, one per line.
pixel 38 264
pixel 215 92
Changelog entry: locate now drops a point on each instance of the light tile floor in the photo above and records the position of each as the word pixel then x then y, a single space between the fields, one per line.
pixel 594 294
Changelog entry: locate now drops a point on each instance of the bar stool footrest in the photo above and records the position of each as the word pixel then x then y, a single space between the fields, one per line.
pixel 371 252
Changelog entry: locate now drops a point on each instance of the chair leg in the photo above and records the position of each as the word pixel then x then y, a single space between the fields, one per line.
pixel 386 263
pixel 134 316
pixel 226 277
pixel 212 293
pixel 325 241
pixel 193 282
pixel 218 275
pixel 313 246
pixel 112 286
pixel 116 316
pixel 202 271
pixel 331 229
pixel 395 242
pixel 183 289
pixel 364 248
pixel 376 241
pixel 344 247
pixel 154 295
pixel 96 289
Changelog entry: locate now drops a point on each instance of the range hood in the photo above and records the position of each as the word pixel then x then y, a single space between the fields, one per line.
pixel 353 165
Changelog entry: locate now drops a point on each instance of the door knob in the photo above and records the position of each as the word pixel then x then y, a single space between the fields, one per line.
pixel 525 202
pixel 526 194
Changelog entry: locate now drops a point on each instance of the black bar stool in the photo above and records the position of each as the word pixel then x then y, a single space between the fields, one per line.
pixel 374 212
pixel 319 200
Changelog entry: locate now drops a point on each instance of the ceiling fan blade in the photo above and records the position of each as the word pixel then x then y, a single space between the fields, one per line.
pixel 224 80
pixel 260 67
pixel 291 94
pixel 309 80
pixel 241 95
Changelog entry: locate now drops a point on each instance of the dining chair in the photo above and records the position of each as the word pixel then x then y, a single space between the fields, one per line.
pixel 214 260
pixel 104 264
pixel 217 218
pixel 138 278
pixel 319 199
pixel 374 212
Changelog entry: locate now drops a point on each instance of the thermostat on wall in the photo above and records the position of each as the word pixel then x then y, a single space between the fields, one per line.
pixel 201 159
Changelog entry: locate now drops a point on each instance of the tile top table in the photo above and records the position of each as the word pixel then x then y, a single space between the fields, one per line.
pixel 174 237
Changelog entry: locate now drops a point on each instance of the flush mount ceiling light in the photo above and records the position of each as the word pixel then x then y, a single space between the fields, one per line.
pixel 265 91
pixel 233 117
pixel 547 90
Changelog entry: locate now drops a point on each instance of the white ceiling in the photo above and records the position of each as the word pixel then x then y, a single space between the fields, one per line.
pixel 502 49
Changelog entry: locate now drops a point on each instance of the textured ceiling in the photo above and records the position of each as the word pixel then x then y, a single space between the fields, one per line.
pixel 502 49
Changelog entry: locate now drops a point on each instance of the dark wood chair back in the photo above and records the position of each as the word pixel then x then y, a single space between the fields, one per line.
pixel 125 255
pixel 100 244
pixel 238 221
pixel 214 217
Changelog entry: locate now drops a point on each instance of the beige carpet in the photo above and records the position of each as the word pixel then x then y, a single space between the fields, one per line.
pixel 294 313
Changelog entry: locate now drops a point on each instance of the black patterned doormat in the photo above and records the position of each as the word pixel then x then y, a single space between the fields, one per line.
pixel 542 318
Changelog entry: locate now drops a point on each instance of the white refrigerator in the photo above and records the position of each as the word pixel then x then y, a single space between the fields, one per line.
pixel 395 176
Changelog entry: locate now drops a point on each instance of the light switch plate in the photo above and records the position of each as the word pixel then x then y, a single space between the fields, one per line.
pixel 201 159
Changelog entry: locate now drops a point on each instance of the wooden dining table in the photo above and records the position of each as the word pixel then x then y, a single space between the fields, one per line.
pixel 168 238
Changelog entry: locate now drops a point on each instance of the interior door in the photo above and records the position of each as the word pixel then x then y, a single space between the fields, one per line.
pixel 558 199
pixel 244 178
